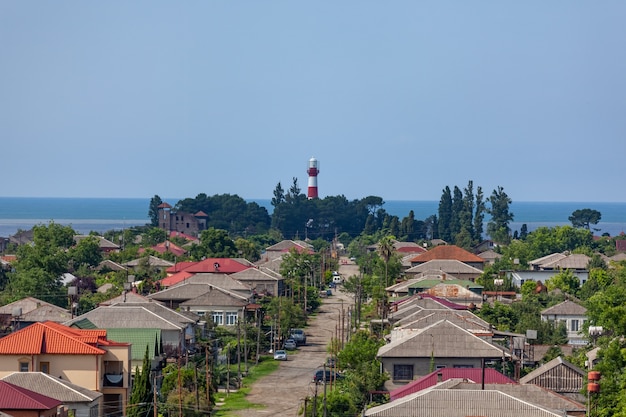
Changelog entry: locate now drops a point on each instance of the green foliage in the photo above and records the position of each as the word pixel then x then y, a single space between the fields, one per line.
pixel 247 249
pixel 585 218
pixel 214 243
pixel 85 253
pixel 153 210
pixel 39 266
pixel 498 227
pixel 565 281
pixel 140 401
pixel 229 212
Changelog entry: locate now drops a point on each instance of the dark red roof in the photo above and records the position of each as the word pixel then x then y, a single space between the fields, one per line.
pixel 164 205
pixel 185 236
pixel 175 279
pixel 471 374
pixel 13 397
pixel 170 247
pixel 217 265
pixel 201 214
pixel 179 266
pixel 447 252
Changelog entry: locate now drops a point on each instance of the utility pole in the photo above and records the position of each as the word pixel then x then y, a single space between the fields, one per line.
pixel 325 383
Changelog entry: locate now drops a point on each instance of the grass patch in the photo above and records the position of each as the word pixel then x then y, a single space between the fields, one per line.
pixel 236 401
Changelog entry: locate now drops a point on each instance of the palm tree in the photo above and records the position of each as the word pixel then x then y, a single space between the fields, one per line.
pixel 386 250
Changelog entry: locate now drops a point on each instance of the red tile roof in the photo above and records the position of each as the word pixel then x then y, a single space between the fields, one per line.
pixel 53 338
pixel 179 266
pixel 164 205
pixel 168 246
pixel 224 266
pixel 473 374
pixel 447 252
pixel 13 397
pixel 175 279
pixel 185 236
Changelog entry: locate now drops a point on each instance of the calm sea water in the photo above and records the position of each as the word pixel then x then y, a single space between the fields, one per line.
pixel 102 214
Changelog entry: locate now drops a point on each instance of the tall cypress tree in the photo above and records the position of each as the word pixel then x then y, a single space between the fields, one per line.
pixel 140 402
pixel 479 215
pixel 445 215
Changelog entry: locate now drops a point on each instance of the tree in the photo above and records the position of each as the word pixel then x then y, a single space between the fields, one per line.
pixel 585 218
pixel 479 215
pixel 445 215
pixel 140 401
pixel 386 250
pixel 279 195
pixel 214 243
pixel 498 227
pixel 153 210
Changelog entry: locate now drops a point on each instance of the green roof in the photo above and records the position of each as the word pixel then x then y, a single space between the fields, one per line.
pixel 84 324
pixel 139 339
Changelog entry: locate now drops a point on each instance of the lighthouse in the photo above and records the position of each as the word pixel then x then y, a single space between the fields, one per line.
pixel 313 170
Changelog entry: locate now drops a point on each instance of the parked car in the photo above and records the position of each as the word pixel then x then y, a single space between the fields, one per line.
pixel 290 344
pixel 299 336
pixel 280 355
pixel 330 376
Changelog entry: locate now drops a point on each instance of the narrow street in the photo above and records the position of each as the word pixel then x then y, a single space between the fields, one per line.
pixel 283 392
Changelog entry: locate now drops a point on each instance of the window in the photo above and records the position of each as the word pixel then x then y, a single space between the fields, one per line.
pixel 218 317
pixel 438 367
pixel 201 313
pixel 44 367
pixel 574 325
pixel 23 366
pixel 402 372
pixel 462 366
pixel 231 318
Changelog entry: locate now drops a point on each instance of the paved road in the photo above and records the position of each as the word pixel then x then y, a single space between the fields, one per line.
pixel 283 392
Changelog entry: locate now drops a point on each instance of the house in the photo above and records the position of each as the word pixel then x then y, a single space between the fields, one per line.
pixel 490 256
pixel 559 376
pixel 173 295
pixel 453 267
pixel 439 401
pixel 402 248
pixel 212 266
pixel 440 345
pixel 30 310
pixel 284 247
pixel 21 402
pixel 225 308
pixel 262 281
pixel 167 247
pixel 176 331
pixel 426 317
pixel 188 223
pixel 449 252
pixel 109 265
pixel 573 315
pixel 78 401
pixel 151 261
pixel 86 358
pixel 105 245
pixel 476 375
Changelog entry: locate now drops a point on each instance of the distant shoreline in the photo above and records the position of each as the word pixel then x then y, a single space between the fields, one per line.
pixel 103 214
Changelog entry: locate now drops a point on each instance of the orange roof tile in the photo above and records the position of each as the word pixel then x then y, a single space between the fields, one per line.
pixel 52 338
pixel 447 252
pixel 175 279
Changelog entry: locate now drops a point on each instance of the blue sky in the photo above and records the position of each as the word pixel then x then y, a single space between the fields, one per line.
pixel 395 99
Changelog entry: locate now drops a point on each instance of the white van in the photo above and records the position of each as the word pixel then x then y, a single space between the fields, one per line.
pixel 337 279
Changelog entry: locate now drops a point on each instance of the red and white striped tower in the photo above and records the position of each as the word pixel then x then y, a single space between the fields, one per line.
pixel 312 171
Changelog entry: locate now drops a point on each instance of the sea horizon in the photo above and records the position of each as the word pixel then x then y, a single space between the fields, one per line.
pixel 101 214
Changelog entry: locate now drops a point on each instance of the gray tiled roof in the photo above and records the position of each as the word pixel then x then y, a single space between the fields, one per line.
pixel 462 318
pixel 460 403
pixel 126 317
pixel 576 261
pixel 445 339
pixel 53 387
pixel 449 266
pixel 565 308
pixel 540 262
pixel 216 297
